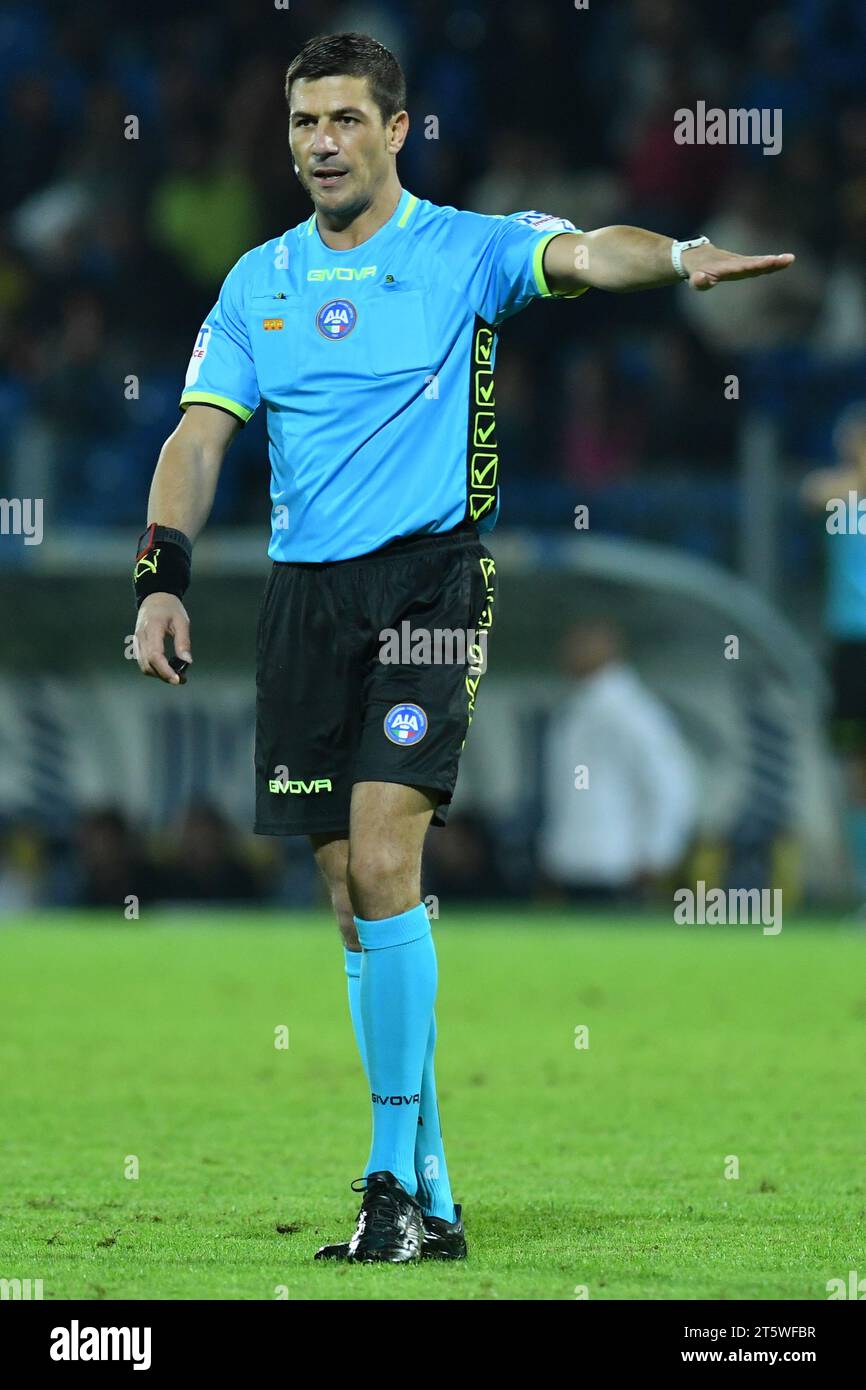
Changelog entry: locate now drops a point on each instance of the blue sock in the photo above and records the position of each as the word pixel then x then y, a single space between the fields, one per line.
pixel 431 1171
pixel 397 992
pixel 353 974
pixel 434 1189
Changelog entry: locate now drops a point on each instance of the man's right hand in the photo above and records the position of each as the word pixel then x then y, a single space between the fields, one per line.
pixel 161 616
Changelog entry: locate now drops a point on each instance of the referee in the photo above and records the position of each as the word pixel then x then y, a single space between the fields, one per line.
pixel 369 334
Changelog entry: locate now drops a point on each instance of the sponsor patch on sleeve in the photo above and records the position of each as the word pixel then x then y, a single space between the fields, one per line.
pixel 198 355
pixel 544 221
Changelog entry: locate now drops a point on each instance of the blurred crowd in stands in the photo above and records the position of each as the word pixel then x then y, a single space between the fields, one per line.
pixel 108 863
pixel 145 149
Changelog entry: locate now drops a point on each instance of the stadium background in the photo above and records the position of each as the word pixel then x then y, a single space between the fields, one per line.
pixel 112 250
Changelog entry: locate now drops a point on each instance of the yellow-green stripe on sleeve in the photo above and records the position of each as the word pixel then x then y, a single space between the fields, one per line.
pixel 209 398
pixel 538 270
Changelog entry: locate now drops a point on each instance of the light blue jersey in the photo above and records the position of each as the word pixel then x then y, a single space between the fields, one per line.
pixel 375 366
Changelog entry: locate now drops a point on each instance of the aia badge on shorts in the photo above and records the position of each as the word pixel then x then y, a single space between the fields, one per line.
pixel 405 724
pixel 337 318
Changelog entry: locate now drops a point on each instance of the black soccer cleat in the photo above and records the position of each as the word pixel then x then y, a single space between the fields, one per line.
pixel 443 1240
pixel 333 1252
pixel 390 1228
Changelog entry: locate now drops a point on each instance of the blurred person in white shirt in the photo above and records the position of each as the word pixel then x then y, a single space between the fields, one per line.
pixel 619 784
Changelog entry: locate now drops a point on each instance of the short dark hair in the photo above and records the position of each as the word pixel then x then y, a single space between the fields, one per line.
pixel 352 55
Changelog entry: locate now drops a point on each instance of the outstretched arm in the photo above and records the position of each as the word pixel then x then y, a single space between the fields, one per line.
pixel 630 258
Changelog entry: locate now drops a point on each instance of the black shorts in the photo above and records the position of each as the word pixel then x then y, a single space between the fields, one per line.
pixel 367 670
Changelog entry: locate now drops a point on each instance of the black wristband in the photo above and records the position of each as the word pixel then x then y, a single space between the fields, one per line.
pixel 162 563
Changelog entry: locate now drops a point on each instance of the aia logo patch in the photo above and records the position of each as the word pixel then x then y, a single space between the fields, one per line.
pixel 337 318
pixel 405 724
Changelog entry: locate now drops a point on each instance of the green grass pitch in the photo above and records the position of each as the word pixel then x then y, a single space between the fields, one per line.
pixel 599 1167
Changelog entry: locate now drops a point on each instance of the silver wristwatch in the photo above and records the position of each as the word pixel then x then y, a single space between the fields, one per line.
pixel 677 253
